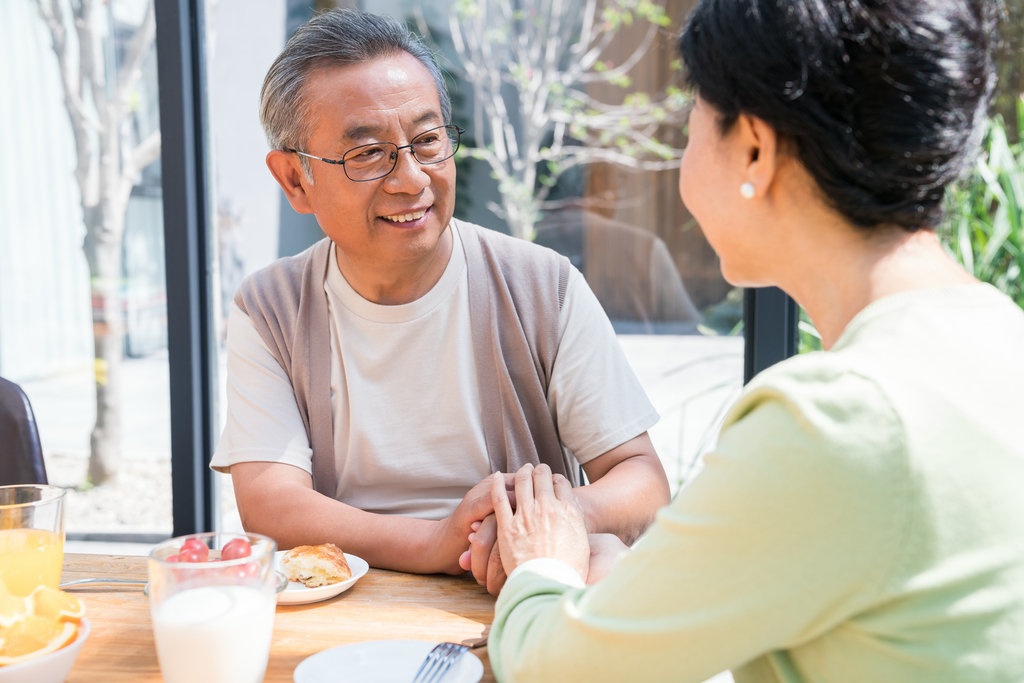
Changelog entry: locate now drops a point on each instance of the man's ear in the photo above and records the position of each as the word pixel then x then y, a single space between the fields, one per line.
pixel 759 148
pixel 287 171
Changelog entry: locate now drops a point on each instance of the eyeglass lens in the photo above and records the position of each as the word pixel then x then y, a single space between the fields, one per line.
pixel 370 162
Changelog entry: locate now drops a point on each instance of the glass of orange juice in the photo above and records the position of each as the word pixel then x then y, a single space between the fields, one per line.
pixel 31 537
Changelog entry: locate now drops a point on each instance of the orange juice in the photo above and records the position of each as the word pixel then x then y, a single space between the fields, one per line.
pixel 29 558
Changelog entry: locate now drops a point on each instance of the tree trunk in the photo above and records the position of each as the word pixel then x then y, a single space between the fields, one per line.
pixel 104 257
pixel 104 231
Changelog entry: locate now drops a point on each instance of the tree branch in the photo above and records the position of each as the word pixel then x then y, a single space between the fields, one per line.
pixel 138 47
pixel 145 153
pixel 54 18
pixel 623 69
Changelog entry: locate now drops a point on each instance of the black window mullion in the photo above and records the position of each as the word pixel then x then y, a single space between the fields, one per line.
pixel 186 230
pixel 769 328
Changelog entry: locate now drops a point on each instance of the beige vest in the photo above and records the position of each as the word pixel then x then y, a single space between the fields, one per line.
pixel 516 292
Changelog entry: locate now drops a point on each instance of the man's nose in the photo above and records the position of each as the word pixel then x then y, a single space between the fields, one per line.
pixel 409 176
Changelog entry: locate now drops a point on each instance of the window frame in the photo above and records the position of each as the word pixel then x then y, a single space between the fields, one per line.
pixel 192 355
pixel 770 316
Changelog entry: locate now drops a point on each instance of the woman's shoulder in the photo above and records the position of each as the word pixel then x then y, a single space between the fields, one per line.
pixel 839 386
pixel 828 414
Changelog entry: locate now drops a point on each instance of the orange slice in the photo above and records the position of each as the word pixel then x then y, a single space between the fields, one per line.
pixel 50 603
pixel 13 609
pixel 34 637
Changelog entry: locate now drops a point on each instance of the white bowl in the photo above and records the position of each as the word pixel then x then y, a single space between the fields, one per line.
pixel 51 668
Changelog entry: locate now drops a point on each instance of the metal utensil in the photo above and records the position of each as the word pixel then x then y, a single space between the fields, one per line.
pixel 280 580
pixel 438 661
pixel 89 583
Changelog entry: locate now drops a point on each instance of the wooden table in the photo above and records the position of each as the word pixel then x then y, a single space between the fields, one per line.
pixel 383 604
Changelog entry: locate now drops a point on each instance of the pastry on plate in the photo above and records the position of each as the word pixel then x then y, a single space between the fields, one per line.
pixel 316 565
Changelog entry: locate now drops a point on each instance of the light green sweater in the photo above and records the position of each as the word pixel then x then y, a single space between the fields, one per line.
pixel 861 521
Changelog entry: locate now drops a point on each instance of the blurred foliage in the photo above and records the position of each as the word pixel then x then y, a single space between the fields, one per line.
pixel 1010 65
pixel 809 339
pixel 724 317
pixel 984 227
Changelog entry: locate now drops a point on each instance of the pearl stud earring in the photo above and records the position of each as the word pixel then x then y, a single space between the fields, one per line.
pixel 747 191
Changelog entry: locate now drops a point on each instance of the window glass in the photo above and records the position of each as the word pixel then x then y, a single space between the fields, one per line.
pixel 83 324
pixel 253 222
pixel 621 224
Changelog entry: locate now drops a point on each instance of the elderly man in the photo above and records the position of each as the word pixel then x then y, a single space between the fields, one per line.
pixel 376 380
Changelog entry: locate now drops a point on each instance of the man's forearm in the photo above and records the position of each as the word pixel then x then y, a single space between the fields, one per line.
pixel 295 515
pixel 624 501
pixel 279 502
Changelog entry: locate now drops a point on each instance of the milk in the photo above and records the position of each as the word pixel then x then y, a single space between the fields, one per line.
pixel 214 634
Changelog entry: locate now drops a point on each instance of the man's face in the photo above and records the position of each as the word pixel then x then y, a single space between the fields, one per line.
pixel 392 99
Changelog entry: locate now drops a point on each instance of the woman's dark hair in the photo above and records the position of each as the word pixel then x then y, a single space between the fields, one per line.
pixel 882 101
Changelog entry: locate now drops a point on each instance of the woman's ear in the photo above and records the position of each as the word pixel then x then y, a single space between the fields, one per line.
pixel 288 173
pixel 758 143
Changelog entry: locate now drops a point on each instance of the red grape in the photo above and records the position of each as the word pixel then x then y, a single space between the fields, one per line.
pixel 193 556
pixel 172 558
pixel 236 549
pixel 197 546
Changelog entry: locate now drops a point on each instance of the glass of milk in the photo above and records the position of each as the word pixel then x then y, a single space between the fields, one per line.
pixel 213 619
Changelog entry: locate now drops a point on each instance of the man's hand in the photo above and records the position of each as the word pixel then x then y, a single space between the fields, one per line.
pixel 548 522
pixel 605 551
pixel 451 535
pixel 483 557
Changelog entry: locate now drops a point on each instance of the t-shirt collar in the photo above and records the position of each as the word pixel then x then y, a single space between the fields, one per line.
pixel 339 288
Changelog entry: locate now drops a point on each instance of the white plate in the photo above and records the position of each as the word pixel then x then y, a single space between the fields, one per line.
pixel 381 661
pixel 297 594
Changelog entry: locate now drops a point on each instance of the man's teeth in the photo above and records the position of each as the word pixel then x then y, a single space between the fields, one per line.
pixel 405 217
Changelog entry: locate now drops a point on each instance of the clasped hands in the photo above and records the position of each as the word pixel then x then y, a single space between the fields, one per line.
pixel 532 514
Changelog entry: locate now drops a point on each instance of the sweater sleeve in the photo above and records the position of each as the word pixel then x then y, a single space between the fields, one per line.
pixel 791 528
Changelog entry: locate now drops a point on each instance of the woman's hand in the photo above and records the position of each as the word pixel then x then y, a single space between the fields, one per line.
pixel 548 522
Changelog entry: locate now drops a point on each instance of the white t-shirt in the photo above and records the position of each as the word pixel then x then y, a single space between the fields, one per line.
pixel 408 432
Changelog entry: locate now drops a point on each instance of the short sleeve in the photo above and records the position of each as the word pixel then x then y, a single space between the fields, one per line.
pixel 263 420
pixel 595 398
pixel 793 527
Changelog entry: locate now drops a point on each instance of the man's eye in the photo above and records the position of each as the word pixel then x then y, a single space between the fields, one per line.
pixel 428 139
pixel 367 153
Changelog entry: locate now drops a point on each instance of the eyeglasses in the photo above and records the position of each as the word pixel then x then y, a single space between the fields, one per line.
pixel 374 161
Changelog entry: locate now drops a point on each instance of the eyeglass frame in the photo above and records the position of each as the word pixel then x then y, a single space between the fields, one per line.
pixel 398 149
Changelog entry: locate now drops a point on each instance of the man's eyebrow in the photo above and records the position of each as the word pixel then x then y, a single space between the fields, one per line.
pixel 361 132
pixel 372 130
pixel 427 117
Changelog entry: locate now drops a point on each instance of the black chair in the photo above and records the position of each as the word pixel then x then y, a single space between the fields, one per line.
pixel 21 454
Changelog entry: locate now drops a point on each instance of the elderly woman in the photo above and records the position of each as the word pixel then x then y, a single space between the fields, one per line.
pixel 862 518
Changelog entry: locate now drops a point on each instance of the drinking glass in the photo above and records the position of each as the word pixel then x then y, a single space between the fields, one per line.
pixel 213 620
pixel 31 537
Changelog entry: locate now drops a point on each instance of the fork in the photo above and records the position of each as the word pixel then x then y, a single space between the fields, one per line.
pixel 438 661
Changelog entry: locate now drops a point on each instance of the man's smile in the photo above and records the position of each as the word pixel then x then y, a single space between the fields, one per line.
pixel 407 217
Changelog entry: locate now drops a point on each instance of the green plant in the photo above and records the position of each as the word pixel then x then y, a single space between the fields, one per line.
pixel 810 338
pixel 984 227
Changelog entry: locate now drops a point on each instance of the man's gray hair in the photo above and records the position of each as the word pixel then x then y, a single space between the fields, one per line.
pixel 340 37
